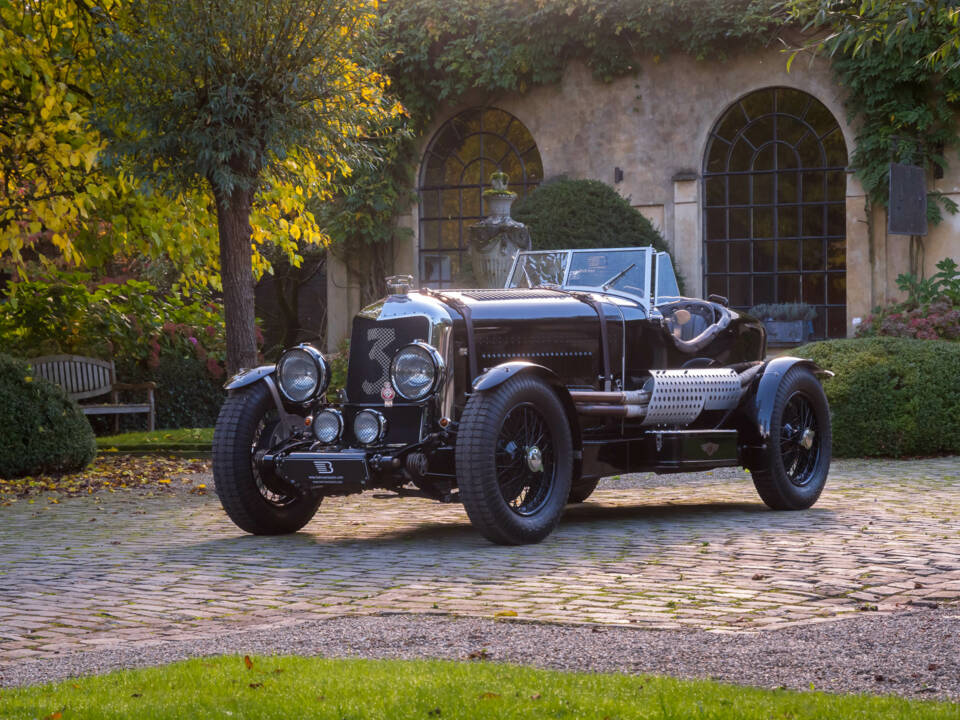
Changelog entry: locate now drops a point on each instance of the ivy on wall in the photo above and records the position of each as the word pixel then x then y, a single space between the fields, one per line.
pixel 445 48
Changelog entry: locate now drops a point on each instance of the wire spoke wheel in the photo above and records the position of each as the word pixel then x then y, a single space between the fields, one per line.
pixel 525 460
pixel 799 440
pixel 268 434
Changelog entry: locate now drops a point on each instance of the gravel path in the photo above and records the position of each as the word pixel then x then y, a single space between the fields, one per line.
pixel 914 654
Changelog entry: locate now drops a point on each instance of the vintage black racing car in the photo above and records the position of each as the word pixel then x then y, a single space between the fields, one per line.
pixel 516 401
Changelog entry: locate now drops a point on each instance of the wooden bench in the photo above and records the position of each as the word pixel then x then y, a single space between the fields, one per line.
pixel 84 377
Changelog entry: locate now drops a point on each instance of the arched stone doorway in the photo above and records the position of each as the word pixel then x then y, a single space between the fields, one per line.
pixel 455 170
pixel 775 206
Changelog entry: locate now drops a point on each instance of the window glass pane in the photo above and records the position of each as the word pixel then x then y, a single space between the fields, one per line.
pixel 813 289
pixel 739 189
pixel 788 255
pixel 836 254
pixel 763 289
pixel 763 256
pixel 836 149
pixel 716 257
pixel 739 223
pixel 813 254
pixel 792 102
pixel 763 222
pixel 716 193
pixel 760 132
pixel 450 234
pixel 740 256
pixel 788 288
pixel 731 123
pixel 788 224
pixel 765 158
pixel 813 220
pixel 740 286
pixel 787 158
pixel 717 285
pixel 837 288
pixel 716 224
pixel 790 129
pixel 717 161
pixel 430 234
pixel 472 206
pixel 810 152
pixel 741 157
pixel 787 189
pixel 837 219
pixel 820 118
pixel 836 185
pixel 813 184
pixel 763 188
pixel 758 103
pixel 533 166
pixel 449 203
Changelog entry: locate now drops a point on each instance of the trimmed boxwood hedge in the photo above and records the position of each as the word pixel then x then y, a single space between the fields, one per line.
pixel 891 396
pixel 40 429
pixel 567 213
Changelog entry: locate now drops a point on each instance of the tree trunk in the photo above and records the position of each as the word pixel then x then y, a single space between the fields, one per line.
pixel 236 272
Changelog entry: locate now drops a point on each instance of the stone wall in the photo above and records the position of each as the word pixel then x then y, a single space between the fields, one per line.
pixel 655 127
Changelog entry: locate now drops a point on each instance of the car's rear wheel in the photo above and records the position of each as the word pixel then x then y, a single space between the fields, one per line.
pixel 514 461
pixel 798 451
pixel 248 425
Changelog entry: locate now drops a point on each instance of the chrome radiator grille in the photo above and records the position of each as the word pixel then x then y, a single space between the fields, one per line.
pixel 373 344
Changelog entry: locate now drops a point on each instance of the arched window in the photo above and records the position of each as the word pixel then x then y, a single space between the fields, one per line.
pixel 775 206
pixel 456 169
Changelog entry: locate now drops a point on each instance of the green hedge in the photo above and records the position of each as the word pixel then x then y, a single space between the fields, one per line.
pixel 40 429
pixel 583 214
pixel 891 396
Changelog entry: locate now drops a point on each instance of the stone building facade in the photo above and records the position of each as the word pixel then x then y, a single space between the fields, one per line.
pixel 742 166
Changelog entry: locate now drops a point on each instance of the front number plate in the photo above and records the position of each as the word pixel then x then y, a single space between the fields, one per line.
pixel 328 473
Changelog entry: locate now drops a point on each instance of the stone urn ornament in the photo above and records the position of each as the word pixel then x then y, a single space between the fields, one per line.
pixel 496 240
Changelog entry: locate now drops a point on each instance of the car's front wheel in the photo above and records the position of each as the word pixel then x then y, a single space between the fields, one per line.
pixel 798 451
pixel 514 460
pixel 248 425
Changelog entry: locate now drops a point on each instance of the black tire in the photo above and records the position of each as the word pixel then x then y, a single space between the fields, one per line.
pixel 507 500
pixel 581 490
pixel 793 476
pixel 246 424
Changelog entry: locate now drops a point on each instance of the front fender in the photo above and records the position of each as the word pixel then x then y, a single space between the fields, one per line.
pixel 249 377
pixel 503 372
pixel 766 392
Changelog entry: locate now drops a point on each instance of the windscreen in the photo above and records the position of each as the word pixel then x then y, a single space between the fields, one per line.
pixel 538 269
pixel 623 270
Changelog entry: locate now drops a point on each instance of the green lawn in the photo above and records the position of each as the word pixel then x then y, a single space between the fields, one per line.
pixel 184 439
pixel 293 687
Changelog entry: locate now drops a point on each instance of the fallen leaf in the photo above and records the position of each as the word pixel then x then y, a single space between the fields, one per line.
pixel 248 662
pixel 488 695
pixel 933 666
pixel 759 576
pixel 506 613
pixel 536 696
pixel 54 716
pixel 481 654
pixel 256 685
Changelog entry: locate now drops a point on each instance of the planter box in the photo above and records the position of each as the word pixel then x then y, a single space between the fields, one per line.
pixel 786 332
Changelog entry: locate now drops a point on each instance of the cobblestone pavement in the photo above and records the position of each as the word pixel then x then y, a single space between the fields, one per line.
pixel 115 569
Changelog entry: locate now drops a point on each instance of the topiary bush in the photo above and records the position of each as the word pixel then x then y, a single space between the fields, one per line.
pixel 40 429
pixel 891 396
pixel 583 214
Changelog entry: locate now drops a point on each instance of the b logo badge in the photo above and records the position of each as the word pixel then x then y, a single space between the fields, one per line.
pixel 388 394
pixel 323 467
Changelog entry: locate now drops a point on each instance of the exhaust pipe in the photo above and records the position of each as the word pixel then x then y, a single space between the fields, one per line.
pixel 629 397
pixel 623 411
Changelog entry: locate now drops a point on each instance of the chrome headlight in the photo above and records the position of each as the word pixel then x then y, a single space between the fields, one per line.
pixel 416 371
pixel 369 427
pixel 327 426
pixel 302 374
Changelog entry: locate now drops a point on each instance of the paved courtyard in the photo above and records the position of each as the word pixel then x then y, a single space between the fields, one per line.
pixel 95 572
